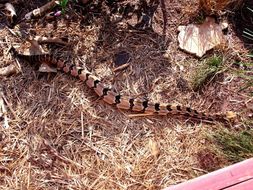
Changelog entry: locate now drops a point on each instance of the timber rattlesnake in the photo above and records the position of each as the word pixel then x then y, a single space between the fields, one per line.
pixel 113 98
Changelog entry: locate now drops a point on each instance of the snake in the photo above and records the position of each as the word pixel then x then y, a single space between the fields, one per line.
pixel 110 96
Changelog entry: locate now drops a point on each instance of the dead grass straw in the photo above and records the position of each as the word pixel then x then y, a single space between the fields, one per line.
pixel 91 145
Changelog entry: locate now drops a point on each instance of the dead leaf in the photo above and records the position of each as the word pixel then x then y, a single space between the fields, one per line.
pixel 85 2
pixel 11 9
pixel 12 16
pixel 121 58
pixel 198 39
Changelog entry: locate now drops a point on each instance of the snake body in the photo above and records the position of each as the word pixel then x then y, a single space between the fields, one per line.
pixel 111 97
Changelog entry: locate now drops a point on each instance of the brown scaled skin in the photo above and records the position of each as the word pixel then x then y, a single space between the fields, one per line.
pixel 112 98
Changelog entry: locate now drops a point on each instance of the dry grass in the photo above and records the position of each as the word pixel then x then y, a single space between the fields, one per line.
pixel 62 137
pixel 217 6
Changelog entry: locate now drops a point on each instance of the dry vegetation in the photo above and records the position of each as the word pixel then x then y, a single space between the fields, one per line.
pixel 62 137
pixel 218 6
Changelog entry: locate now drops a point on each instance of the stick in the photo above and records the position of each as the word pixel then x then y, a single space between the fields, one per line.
pixel 120 68
pixel 2 96
pixel 40 11
pixel 44 40
pixel 3 112
pixel 60 157
pixel 140 115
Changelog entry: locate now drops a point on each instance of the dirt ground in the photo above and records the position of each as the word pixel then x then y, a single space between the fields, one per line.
pixel 61 136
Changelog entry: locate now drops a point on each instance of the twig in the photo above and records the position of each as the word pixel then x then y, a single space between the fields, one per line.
pixel 82 126
pixel 40 11
pixel 120 68
pixel 44 40
pixel 60 157
pixel 3 112
pixel 2 96
pixel 140 115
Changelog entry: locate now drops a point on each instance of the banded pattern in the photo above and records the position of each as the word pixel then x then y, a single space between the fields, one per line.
pixel 112 98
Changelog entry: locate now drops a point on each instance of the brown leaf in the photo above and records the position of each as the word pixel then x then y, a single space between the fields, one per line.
pixel 12 12
pixel 11 9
